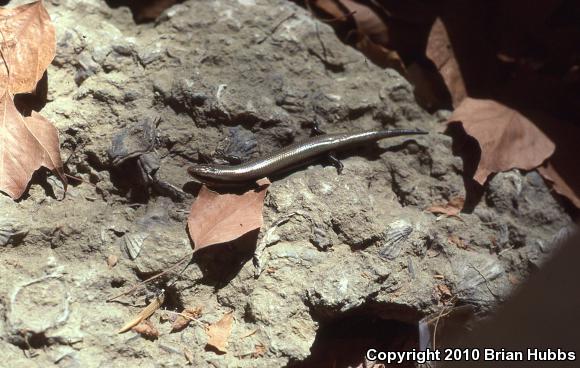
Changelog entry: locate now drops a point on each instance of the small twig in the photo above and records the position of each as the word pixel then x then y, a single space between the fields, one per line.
pixel 440 315
pixel 73 153
pixel 444 313
pixel 145 313
pixel 142 283
pixel 276 28
pixel 437 324
pixel 485 280
pixel 79 179
pixel 253 332
pixel 32 353
pixel 324 50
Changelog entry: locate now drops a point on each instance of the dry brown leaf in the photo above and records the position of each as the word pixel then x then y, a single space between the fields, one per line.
pixel 429 91
pixel 371 34
pixel 219 333
pixel 146 329
pixel 561 185
pixel 452 208
pixel 508 140
pixel 440 52
pixel 183 319
pixel 180 323
pixel 218 218
pixel 28 45
pixel 26 144
pixel 144 314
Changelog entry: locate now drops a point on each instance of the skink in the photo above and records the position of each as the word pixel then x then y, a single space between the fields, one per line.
pixel 287 157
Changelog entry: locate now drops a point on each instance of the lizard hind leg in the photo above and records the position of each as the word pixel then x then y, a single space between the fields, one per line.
pixel 334 161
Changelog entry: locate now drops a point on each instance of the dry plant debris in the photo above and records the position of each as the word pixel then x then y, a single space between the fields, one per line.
pixel 26 143
pixel 492 73
pixel 440 52
pixel 144 314
pixel 370 35
pixel 219 333
pixel 28 46
pixel 218 218
pixel 508 140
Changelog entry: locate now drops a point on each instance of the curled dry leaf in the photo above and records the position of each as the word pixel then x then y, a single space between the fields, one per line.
pixel 440 52
pixel 144 314
pixel 508 140
pixel 146 329
pixel 26 144
pixel 452 208
pixel 219 333
pixel 28 46
pixel 183 319
pixel 218 218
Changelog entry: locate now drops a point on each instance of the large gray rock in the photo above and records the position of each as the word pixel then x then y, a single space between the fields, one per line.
pixel 213 70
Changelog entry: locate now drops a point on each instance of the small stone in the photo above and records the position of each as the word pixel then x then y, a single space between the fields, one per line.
pixel 11 232
pixel 112 260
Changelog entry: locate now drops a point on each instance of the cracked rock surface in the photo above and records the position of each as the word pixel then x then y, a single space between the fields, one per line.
pixel 220 77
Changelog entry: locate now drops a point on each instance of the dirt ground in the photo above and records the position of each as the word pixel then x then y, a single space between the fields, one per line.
pixel 343 259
